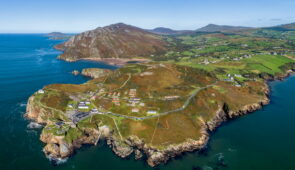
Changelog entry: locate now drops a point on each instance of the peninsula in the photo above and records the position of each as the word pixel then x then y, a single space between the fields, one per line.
pixel 172 91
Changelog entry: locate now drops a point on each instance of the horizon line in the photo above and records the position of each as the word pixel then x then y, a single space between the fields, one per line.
pixel 77 32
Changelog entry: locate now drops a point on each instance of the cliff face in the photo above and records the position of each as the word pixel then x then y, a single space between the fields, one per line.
pixel 35 112
pixel 114 41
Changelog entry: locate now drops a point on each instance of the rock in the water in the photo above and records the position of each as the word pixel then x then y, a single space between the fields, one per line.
pixel 75 72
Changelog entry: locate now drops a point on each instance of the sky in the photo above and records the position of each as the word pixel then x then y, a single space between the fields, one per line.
pixel 74 16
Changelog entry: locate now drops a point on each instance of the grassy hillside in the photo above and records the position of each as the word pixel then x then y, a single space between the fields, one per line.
pixel 114 41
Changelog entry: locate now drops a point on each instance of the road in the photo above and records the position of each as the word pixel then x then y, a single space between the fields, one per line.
pixel 186 103
pixel 184 106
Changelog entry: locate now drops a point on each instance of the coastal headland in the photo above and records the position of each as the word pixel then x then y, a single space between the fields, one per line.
pixel 164 101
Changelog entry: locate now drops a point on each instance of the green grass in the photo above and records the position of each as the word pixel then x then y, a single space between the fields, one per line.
pixel 73 134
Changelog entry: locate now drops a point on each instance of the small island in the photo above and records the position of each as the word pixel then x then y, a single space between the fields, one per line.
pixel 171 103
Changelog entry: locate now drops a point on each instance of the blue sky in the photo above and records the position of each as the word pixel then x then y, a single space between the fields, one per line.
pixel 40 16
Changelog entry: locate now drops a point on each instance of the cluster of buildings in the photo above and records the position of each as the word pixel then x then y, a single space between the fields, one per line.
pixel 242 57
pixel 84 105
pixel 116 100
pixel 206 61
pixel 231 78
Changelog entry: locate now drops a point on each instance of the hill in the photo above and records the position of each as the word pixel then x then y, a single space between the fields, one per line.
pixel 168 31
pixel 54 34
pixel 284 27
pixel 289 26
pixel 113 41
pixel 221 28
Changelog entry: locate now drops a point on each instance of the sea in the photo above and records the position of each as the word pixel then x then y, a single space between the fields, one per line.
pixel 264 139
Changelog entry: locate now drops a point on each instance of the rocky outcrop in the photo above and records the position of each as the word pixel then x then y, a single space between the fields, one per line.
pixel 75 72
pixel 58 148
pixel 34 112
pixel 138 154
pixel 95 72
pixel 156 157
pixel 120 148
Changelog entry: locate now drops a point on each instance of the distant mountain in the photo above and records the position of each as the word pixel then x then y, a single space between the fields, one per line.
pixel 284 27
pixel 289 26
pixel 168 31
pixel 221 28
pixel 113 41
pixel 58 35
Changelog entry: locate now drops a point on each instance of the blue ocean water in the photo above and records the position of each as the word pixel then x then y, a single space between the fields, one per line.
pixel 262 140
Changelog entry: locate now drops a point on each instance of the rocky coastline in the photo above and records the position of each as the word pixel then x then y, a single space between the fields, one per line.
pixel 95 72
pixel 57 147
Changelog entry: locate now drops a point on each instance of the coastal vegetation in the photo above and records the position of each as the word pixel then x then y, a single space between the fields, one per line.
pixel 168 103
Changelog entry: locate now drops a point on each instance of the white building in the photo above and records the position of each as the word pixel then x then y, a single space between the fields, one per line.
pixel 135 110
pixel 151 112
pixel 83 107
pixel 41 91
pixel 94 110
pixel 238 75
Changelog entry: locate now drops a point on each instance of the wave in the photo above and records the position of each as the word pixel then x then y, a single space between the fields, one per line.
pixel 56 161
pixel 22 104
pixel 231 150
pixel 207 168
pixel 220 157
pixel 34 125
pixel 43 52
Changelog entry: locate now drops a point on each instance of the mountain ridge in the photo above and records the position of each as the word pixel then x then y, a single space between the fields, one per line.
pixel 113 41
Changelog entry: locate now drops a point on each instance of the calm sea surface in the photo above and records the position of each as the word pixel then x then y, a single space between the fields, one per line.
pixel 262 140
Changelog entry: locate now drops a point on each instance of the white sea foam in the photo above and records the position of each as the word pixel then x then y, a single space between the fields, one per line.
pixel 231 150
pixel 207 168
pixel 22 104
pixel 34 125
pixel 56 161
pixel 220 156
pixel 42 52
